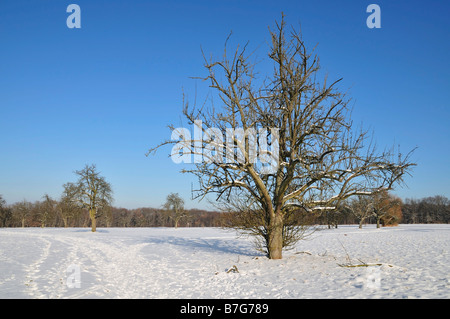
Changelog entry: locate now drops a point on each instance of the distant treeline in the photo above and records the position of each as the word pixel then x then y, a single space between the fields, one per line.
pixel 39 214
pixel 50 213
pixel 428 210
pixel 152 217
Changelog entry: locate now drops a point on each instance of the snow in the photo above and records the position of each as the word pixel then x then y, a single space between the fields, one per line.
pixel 407 261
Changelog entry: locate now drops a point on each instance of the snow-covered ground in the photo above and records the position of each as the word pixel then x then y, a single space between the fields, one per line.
pixel 408 261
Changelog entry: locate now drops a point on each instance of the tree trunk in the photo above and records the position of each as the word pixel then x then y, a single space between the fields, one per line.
pixel 275 238
pixel 378 222
pixel 92 213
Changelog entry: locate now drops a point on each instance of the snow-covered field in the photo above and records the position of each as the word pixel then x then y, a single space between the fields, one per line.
pixel 408 261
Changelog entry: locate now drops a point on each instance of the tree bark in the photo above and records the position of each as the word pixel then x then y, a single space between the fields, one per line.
pixel 378 221
pixel 92 213
pixel 275 238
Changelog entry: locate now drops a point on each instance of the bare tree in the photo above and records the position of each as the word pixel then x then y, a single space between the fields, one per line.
pixel 310 155
pixel 21 211
pixel 174 206
pixel 68 206
pixel 361 207
pixel 91 191
pixel 106 212
pixel 5 213
pixel 386 208
pixel 46 210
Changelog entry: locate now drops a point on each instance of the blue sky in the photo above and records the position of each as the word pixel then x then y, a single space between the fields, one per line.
pixel 105 93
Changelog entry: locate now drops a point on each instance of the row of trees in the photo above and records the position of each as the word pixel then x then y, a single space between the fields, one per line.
pixel 427 210
pixel 88 202
pixel 50 213
pixel 386 210
pixel 383 210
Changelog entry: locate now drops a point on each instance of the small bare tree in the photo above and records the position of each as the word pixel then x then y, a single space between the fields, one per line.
pixel 68 206
pixel 386 208
pixel 361 207
pixel 21 211
pixel 174 207
pixel 91 191
pixel 5 213
pixel 311 157
pixel 46 210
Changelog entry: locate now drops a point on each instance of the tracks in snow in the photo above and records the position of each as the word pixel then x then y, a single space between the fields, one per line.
pixel 107 268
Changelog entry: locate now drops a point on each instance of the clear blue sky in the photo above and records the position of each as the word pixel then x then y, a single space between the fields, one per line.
pixel 105 93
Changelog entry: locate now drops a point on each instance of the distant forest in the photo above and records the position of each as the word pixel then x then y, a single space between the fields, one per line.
pixel 48 213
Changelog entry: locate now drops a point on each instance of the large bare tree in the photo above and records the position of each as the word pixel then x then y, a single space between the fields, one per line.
pixel 311 157
pixel 91 191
